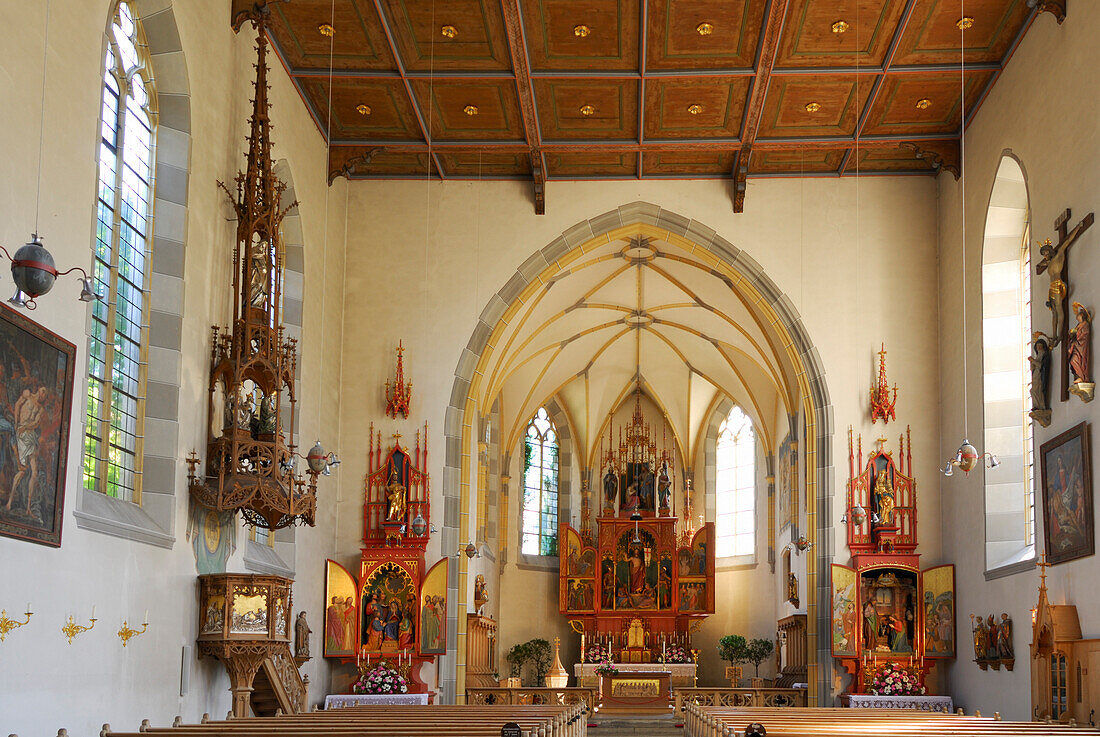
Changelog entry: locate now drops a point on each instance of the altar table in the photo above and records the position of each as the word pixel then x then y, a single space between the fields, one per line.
pixel 681 675
pixel 942 704
pixel 341 701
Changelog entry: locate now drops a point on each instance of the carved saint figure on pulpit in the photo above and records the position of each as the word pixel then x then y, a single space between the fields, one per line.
pixel 395 493
pixel 884 498
pixel 266 422
pixel 301 636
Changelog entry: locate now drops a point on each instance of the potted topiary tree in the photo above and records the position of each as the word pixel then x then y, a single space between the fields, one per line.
pixel 756 652
pixel 733 649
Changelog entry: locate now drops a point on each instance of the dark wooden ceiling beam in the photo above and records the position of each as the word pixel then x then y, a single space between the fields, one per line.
pixel 880 78
pixel 424 131
pixel 643 9
pixel 521 65
pixel 772 31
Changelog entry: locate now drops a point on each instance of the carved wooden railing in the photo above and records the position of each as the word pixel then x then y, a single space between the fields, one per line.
pixel 295 688
pixel 585 697
pixel 739 697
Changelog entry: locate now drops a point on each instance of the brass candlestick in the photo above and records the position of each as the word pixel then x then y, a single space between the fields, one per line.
pixel 71 629
pixel 126 633
pixel 7 624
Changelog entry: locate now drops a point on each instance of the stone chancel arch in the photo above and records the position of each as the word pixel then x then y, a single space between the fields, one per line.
pixel 642 297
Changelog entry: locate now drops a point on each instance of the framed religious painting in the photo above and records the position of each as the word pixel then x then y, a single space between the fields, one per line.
pixel 1067 495
pixel 36 397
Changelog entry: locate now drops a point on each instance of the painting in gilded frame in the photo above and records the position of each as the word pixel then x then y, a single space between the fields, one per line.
pixel 939 612
pixel 433 610
pixel 845 612
pixel 1067 495
pixel 36 392
pixel 341 612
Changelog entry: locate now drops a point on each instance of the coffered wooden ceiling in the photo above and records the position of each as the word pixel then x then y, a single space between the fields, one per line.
pixel 579 89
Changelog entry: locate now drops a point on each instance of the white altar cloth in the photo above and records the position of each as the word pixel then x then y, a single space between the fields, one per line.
pixel 340 701
pixel 942 704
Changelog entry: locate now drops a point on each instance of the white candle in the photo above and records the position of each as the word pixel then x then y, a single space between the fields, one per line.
pixel 29 610
pixel 146 620
pixel 93 611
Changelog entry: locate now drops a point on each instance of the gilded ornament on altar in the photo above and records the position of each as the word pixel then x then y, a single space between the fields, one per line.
pixel 884 498
pixel 882 405
pixel 399 392
pixel 395 494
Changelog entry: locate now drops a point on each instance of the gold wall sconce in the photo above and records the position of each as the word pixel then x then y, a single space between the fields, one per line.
pixel 125 634
pixel 71 629
pixel 7 624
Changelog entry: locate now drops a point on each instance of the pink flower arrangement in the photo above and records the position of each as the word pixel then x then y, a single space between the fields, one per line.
pixel 893 680
pixel 606 668
pixel 595 653
pixel 382 679
pixel 674 654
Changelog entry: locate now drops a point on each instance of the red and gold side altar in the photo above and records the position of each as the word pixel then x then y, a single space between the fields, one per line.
pixel 395 610
pixel 884 607
pixel 638 583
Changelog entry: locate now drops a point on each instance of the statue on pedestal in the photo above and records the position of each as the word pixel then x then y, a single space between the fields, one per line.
pixel 1040 379
pixel 1079 353
pixel 301 637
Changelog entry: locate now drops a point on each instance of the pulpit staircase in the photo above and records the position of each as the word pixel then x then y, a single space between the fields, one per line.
pixel 278 686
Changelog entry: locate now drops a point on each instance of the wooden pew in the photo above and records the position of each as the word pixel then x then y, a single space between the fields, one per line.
pixel 389 721
pixel 708 721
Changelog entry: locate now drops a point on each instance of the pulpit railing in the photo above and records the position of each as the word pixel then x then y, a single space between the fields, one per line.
pixel 740 697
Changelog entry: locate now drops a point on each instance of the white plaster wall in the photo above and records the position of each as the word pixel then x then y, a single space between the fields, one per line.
pixel 45 683
pixel 423 259
pixel 1045 109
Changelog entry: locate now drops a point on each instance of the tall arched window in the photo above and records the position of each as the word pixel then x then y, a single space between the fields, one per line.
pixel 118 343
pixel 539 526
pixel 1006 343
pixel 735 486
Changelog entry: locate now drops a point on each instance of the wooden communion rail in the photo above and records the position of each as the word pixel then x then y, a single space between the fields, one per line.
pixel 713 721
pixel 388 721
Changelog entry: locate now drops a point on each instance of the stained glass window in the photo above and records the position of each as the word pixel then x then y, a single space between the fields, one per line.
pixel 539 527
pixel 119 330
pixel 735 486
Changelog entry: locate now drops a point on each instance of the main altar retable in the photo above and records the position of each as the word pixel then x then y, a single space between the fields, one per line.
pixel 639 582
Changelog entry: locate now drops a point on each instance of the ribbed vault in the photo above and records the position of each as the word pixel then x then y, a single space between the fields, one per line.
pixel 638 310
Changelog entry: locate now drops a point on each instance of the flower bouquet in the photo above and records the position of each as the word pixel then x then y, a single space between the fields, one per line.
pixel 382 679
pixel 674 654
pixel 606 668
pixel 893 680
pixel 595 653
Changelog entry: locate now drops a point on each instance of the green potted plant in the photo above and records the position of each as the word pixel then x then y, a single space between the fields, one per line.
pixel 735 649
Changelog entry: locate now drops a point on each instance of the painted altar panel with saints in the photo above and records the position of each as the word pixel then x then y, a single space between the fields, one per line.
pixel 631 570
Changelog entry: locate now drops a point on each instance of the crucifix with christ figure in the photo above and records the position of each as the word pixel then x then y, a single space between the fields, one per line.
pixel 1055 261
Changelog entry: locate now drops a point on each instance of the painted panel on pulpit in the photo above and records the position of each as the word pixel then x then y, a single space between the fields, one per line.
pixel 390 610
pixel 433 610
pixel 889 598
pixel 340 611
pixel 939 612
pixel 845 612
